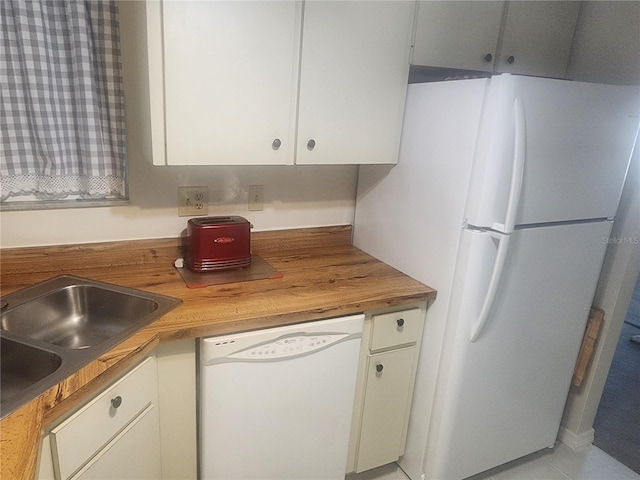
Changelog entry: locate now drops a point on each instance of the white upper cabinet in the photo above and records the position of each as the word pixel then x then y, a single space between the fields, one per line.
pixel 231 82
pixel 230 79
pixel 456 34
pixel 353 81
pixel 523 37
pixel 537 38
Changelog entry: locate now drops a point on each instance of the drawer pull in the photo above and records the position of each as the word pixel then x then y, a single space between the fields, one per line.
pixel 400 322
pixel 379 367
pixel 116 402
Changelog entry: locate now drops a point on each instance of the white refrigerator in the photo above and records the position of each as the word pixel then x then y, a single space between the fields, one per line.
pixel 503 200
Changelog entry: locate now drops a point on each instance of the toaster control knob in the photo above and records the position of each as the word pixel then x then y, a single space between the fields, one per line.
pixel 276 144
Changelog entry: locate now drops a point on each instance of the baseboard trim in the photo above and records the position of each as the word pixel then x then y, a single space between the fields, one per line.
pixel 576 441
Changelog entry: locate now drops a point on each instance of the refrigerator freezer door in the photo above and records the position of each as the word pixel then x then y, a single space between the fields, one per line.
pixel 506 391
pixel 578 139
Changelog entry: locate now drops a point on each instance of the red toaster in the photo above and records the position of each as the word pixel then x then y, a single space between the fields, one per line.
pixel 218 243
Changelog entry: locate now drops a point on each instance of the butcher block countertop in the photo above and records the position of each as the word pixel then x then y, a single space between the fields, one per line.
pixel 322 276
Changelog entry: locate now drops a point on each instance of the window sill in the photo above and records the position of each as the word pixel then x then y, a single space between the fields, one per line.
pixel 57 204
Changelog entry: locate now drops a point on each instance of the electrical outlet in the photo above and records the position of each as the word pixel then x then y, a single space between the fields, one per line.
pixel 256 197
pixel 193 201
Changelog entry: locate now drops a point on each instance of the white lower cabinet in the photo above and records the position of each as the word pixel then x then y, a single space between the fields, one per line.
pixel 143 426
pixel 177 409
pixel 114 435
pixel 391 342
pixel 133 454
pixel 389 377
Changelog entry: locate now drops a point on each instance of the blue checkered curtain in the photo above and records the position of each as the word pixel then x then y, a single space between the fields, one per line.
pixel 62 112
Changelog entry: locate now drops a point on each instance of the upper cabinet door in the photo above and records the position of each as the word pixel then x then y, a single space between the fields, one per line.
pixel 353 80
pixel 230 81
pixel 458 34
pixel 537 38
pixel 523 37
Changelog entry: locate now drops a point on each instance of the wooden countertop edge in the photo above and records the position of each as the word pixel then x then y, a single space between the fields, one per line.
pixel 20 432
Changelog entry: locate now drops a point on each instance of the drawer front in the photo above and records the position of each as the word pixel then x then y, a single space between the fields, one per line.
pixel 395 328
pixel 79 437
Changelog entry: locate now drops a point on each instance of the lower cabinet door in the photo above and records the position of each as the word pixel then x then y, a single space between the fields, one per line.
pixel 85 434
pixel 386 403
pixel 134 454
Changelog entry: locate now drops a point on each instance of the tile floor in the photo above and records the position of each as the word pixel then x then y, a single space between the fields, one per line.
pixel 559 463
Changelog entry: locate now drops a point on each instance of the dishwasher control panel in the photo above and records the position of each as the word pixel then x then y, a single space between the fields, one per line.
pixel 288 341
pixel 289 346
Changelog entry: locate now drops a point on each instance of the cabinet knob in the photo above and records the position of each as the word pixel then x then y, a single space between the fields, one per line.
pixel 379 367
pixel 488 57
pixel 276 144
pixel 400 322
pixel 116 402
pixel 511 59
pixel 311 144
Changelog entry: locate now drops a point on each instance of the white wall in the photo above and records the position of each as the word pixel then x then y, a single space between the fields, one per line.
pixel 606 50
pixel 606 43
pixel 295 196
pixel 617 281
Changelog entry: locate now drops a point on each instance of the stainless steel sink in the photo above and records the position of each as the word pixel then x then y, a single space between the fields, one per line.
pixel 53 328
pixel 77 316
pixel 23 366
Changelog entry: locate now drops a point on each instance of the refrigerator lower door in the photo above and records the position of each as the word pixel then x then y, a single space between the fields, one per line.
pixel 501 396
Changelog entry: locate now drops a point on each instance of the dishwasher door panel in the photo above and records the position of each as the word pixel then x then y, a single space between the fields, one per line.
pixel 279 418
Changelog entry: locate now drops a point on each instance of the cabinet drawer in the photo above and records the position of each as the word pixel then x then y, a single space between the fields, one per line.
pixel 79 437
pixel 396 328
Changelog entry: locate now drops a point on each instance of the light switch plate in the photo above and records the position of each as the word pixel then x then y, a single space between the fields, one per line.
pixel 193 201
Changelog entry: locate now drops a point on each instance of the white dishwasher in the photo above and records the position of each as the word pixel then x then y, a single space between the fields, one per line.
pixel 276 404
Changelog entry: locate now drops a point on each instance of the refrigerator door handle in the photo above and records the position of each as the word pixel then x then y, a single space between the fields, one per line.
pixel 498 267
pixel 517 174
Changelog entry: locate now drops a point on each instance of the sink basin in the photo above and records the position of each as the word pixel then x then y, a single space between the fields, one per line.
pixel 53 328
pixel 23 366
pixel 77 316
